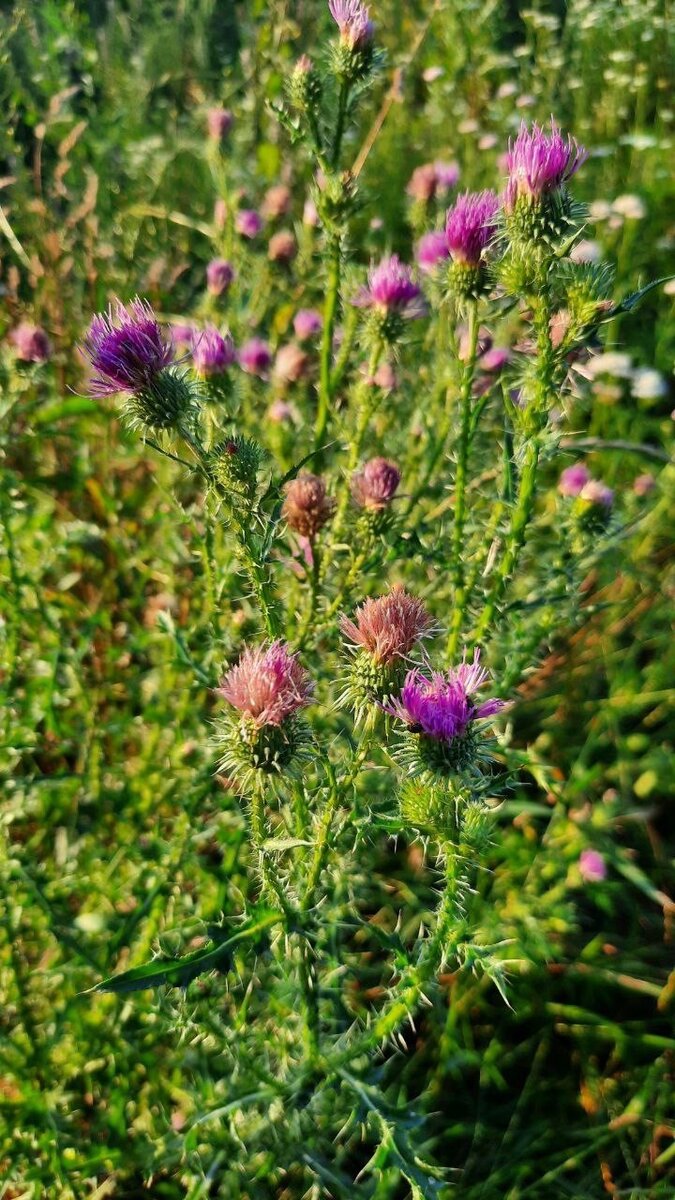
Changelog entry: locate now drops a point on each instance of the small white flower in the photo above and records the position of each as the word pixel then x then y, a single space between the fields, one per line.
pixel 633 208
pixel 586 251
pixel 648 384
pixel 599 210
pixel 612 362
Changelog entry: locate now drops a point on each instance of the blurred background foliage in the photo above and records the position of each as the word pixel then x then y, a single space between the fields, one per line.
pixel 116 833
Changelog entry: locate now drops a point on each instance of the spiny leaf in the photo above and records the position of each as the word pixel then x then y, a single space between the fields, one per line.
pixel 178 972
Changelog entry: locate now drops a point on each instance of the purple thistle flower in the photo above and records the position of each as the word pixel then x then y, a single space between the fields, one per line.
pixel 219 122
pixel 268 684
pixel 307 323
pixel 432 249
pixel 353 21
pixel 255 357
pixel 441 706
pixel 597 493
pixel 392 289
pixel 248 222
pixel 592 866
pixel 127 349
pixel 539 162
pixel 219 276
pixel 212 353
pixel 374 485
pixel 30 343
pixel 447 175
pixel 573 480
pixel 470 225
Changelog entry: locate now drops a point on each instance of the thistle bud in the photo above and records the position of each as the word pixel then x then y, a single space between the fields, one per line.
pixel 374 485
pixel 307 507
pixel 282 247
pixel 276 202
pixel 248 223
pixel 304 86
pixel 219 276
pixel 219 123
pixel 255 358
pixel 235 463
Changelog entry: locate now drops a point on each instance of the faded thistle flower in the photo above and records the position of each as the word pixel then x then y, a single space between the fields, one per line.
pixel 392 296
pixel 276 202
pixel 307 507
pixel 212 352
pixel 382 634
pixel 539 165
pixel 282 247
pixel 374 485
pixel 291 364
pixel 439 713
pixel 430 179
pixel 219 276
pixel 268 687
pixel 469 230
pixel 129 353
pixel 30 343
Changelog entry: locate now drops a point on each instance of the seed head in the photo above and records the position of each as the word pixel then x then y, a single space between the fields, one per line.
pixel 307 507
pixel 268 684
pixel 388 627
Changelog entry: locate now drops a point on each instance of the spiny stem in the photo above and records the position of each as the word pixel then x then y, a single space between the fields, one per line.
pixel 368 395
pixel 457 570
pixel 326 389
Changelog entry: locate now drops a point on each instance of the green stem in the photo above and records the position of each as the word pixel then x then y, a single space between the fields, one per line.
pixel 326 390
pixel 457 556
pixel 340 123
pixel 368 397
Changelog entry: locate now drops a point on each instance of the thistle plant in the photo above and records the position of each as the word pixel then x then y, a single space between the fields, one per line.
pixel 367 620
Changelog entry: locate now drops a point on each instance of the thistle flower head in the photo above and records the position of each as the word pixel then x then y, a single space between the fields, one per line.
pixel 219 123
pixel 255 357
pixel 290 364
pixel 282 247
pixel 441 706
pixel 212 352
pixel 573 479
pixel 127 349
pixel 391 289
pixel 307 506
pixel 432 249
pixel 429 179
pixel 592 866
pixel 268 684
pixel 248 223
pixel 307 323
pixel 30 342
pixel 470 227
pixel 219 276
pixel 353 21
pixel 538 162
pixel 597 494
pixel 375 484
pixel 388 627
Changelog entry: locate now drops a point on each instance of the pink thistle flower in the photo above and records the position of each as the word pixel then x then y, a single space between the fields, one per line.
pixel 470 226
pixel 432 249
pixel 573 479
pixel 307 323
pixel 494 360
pixel 127 349
pixel 441 707
pixel 423 183
pixel 374 486
pixel 592 866
pixel 353 21
pixel 392 289
pixel 388 627
pixel 219 276
pixel 447 175
pixel 219 123
pixel 643 484
pixel 255 357
pixel 597 493
pixel 30 343
pixel 538 163
pixel 212 353
pixel 268 684
pixel 248 223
